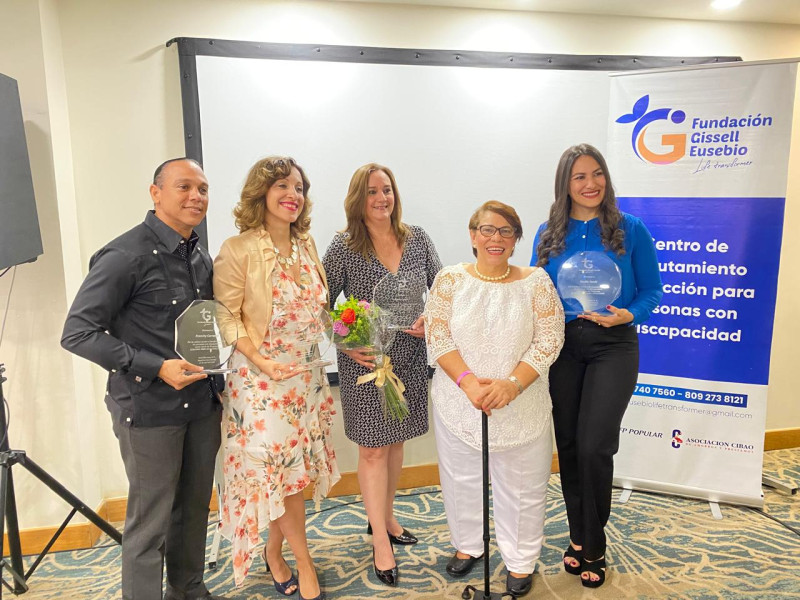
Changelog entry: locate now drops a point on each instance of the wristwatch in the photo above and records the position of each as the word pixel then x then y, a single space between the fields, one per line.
pixel 516 382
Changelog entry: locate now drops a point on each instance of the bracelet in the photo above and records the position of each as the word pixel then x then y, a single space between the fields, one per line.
pixel 460 377
pixel 516 382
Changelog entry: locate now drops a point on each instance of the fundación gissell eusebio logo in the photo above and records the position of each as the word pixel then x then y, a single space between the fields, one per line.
pixel 673 137
pixel 674 142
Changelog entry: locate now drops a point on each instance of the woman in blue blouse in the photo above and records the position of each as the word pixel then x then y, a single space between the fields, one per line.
pixel 594 377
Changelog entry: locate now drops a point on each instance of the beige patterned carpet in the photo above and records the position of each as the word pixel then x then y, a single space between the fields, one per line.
pixel 660 547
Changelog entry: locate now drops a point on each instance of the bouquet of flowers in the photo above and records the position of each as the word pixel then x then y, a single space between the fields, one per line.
pixel 356 324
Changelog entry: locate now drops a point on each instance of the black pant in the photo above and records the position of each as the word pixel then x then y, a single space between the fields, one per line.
pixel 170 474
pixel 591 384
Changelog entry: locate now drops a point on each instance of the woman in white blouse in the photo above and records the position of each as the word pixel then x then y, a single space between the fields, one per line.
pixel 493 330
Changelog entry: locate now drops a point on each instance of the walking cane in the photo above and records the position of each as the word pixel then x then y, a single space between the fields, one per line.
pixel 471 591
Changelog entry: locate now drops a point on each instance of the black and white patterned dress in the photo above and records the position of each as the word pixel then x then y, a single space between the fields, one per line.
pixel 349 272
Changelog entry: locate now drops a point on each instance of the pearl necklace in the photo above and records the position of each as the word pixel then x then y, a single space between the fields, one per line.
pixel 287 261
pixel 487 278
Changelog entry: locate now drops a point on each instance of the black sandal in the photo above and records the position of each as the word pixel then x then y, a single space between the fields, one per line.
pixel 598 567
pixel 577 555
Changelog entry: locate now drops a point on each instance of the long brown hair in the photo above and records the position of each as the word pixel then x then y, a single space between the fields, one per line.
pixel 355 205
pixel 553 239
pixel 251 210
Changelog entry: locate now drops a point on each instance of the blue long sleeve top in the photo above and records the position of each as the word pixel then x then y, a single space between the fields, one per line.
pixel 641 279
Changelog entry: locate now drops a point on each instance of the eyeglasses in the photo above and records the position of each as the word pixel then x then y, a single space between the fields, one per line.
pixel 489 231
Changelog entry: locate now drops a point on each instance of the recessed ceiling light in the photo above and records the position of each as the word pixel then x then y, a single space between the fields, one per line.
pixel 725 4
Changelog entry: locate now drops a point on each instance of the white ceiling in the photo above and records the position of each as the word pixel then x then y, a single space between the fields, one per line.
pixel 759 11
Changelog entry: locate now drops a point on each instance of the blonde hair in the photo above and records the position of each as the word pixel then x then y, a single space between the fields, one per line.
pixel 251 210
pixel 355 206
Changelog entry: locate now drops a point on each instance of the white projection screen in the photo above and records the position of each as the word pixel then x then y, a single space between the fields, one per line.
pixel 457 128
pixel 453 137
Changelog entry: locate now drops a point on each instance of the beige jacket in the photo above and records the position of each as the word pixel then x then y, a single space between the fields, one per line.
pixel 243 282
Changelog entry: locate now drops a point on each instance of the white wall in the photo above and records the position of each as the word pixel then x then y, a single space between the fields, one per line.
pixel 119 115
pixel 51 396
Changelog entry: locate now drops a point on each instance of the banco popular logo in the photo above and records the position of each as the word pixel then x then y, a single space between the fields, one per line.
pixel 676 438
pixel 675 142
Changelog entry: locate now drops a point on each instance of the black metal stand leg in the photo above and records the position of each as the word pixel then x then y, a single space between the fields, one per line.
pixel 69 497
pixel 8 513
pixel 471 591
pixel 8 508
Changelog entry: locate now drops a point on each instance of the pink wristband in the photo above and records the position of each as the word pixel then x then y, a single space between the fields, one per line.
pixel 464 374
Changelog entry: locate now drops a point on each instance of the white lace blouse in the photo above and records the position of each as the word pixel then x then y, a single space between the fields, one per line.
pixel 494 326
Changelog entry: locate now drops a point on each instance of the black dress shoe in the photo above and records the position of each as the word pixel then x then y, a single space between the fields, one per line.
pixel 387 576
pixel 461 566
pixel 519 586
pixel 406 538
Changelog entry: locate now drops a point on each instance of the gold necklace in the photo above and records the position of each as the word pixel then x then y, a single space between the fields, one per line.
pixel 286 261
pixel 487 278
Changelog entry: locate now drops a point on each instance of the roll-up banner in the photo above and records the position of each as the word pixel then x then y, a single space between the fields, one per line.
pixel 701 156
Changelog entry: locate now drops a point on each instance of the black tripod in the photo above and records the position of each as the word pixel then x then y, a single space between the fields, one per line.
pixel 8 508
pixel 471 591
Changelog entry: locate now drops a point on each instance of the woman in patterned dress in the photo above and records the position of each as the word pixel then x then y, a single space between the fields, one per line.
pixel 375 243
pixel 276 422
pixel 493 331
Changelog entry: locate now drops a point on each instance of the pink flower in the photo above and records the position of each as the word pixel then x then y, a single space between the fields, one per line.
pixel 340 328
pixel 363 304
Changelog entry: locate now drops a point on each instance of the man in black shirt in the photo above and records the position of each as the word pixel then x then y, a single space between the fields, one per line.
pixel 167 421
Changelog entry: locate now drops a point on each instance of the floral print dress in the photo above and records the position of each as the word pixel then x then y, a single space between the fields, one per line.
pixel 276 434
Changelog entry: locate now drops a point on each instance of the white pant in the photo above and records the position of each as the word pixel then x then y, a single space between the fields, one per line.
pixel 519 490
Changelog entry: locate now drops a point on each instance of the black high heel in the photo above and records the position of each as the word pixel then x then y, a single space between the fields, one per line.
pixel 598 567
pixel 405 539
pixel 571 552
pixel 387 576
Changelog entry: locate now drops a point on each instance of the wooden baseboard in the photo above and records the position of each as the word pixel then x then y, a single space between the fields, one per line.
pixel 85 535
pixel 410 477
pixel 74 537
pixel 781 439
pixel 115 509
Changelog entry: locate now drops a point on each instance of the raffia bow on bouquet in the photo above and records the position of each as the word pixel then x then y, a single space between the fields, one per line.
pixel 356 325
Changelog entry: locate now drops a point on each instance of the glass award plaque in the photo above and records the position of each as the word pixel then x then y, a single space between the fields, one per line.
pixel 401 298
pixel 198 338
pixel 304 347
pixel 588 282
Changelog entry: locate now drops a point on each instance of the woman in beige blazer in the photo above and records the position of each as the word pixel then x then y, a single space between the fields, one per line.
pixel 277 422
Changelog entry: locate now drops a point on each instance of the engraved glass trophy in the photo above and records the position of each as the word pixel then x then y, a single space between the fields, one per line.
pixel 300 340
pixel 588 282
pixel 401 298
pixel 198 338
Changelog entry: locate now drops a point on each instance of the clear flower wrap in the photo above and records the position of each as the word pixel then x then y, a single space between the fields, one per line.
pixel 358 324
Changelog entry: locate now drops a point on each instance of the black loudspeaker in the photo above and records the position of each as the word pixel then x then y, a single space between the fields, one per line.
pixel 20 239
